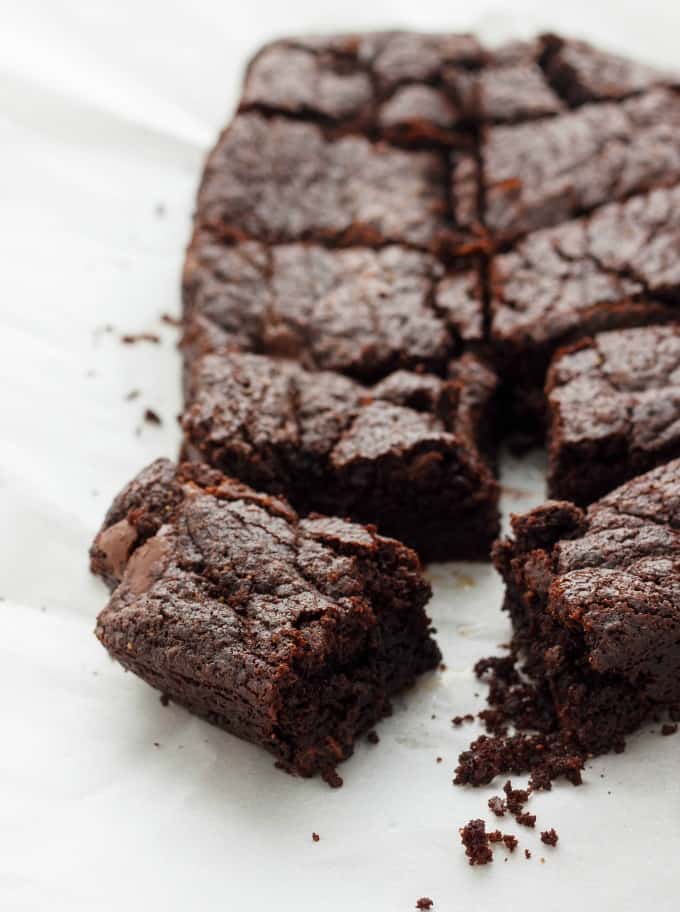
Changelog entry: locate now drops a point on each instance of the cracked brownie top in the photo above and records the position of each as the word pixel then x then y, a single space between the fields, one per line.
pixel 538 174
pixel 359 311
pixel 618 265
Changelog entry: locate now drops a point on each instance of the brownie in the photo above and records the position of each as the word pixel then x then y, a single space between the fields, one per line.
pixel 510 88
pixel 614 410
pixel 278 180
pixel 291 633
pixel 421 115
pixel 594 599
pixel 409 454
pixel 581 73
pixel 359 311
pixel 614 269
pixel 538 174
pixel 323 79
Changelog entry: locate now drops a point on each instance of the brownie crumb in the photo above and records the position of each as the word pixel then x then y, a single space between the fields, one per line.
pixel 133 394
pixel 424 903
pixel 497 806
pixel 475 839
pixel 152 417
pixel 133 338
pixel 439 759
pixel 165 700
pixel 170 320
pixel 527 853
pixel 315 837
pixel 495 836
pixel 458 720
pixel 549 837
pixel 527 820
pixel 511 842
pixel 669 729
pixel 373 738
pixel 331 777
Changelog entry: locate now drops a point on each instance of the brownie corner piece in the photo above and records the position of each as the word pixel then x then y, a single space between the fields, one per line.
pixel 595 606
pixel 291 633
pixel 613 410
pixel 276 180
pixel 582 73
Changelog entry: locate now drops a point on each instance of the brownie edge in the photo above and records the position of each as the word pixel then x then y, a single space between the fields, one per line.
pixel 594 599
pixel 290 633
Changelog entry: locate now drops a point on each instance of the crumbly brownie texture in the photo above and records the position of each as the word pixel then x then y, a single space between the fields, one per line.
pixel 406 454
pixel 614 410
pixel 359 311
pixel 291 633
pixel 595 605
pixel 475 840
pixel 615 268
pixel 538 174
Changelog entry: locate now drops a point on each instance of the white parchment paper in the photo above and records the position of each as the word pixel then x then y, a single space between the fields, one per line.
pixel 107 799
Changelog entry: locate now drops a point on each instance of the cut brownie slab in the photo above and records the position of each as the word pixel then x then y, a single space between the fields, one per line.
pixel 616 268
pixel 539 174
pixel 359 311
pixel 291 633
pixel 408 454
pixel 595 605
pixel 613 410
pixel 277 180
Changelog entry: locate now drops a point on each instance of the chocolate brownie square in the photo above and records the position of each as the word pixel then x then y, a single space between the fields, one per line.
pixel 409 454
pixel 385 84
pixel 510 88
pixel 595 605
pixel 583 73
pixel 613 410
pixel 291 633
pixel 614 269
pixel 359 311
pixel 277 180
pixel 323 79
pixel 539 174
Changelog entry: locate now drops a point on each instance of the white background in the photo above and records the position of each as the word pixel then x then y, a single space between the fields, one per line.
pixel 106 111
